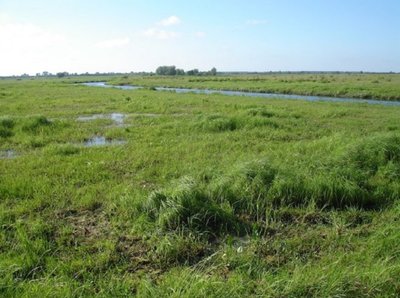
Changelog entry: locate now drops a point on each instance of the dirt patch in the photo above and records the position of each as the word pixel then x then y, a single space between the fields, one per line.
pixel 85 227
pixel 134 251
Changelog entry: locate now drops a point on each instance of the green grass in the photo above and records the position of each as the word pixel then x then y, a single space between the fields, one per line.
pixel 372 86
pixel 211 196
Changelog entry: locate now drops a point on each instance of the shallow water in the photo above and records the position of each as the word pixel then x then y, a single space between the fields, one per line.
pixel 255 94
pixel 280 96
pixel 102 141
pixel 118 118
pixel 8 154
pixel 103 84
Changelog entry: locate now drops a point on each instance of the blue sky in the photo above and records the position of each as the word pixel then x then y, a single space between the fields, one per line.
pixel 133 35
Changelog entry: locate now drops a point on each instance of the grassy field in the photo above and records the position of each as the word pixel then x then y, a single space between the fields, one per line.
pixel 211 196
pixel 367 86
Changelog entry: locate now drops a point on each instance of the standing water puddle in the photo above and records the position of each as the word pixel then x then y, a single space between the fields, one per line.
pixel 102 141
pixel 254 94
pixel 103 84
pixel 118 118
pixel 7 154
pixel 97 141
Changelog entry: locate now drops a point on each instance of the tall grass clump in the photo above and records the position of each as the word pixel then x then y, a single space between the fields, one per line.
pixel 323 190
pixel 34 242
pixel 365 176
pixel 6 126
pixel 185 205
pixel 64 150
pixel 375 165
pixel 178 249
pixel 218 123
pixel 194 283
pixel 246 188
pixel 7 123
pixel 36 124
pixel 261 112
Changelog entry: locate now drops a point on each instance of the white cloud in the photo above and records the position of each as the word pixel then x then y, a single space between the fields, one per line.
pixel 29 48
pixel 4 17
pixel 113 43
pixel 200 34
pixel 170 21
pixel 27 37
pixel 160 34
pixel 163 34
pixel 256 22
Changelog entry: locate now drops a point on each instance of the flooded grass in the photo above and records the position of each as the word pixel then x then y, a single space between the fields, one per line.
pixel 103 84
pixel 117 118
pixel 102 141
pixel 8 154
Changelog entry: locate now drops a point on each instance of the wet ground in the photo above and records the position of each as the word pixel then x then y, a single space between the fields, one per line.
pixel 7 154
pixel 102 141
pixel 117 118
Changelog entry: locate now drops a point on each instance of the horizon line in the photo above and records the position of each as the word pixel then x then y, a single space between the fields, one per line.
pixel 50 74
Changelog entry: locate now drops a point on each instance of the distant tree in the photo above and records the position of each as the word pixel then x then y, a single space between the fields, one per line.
pixel 213 71
pixel 62 74
pixel 166 70
pixel 180 72
pixel 193 72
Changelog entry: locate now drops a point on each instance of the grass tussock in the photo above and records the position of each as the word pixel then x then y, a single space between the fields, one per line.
pixel 186 205
pixel 6 127
pixel 36 124
pixel 64 150
pixel 218 123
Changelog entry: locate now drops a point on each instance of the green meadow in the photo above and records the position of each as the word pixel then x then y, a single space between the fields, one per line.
pixel 209 196
pixel 353 85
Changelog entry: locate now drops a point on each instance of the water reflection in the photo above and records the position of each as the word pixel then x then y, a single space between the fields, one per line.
pixel 102 141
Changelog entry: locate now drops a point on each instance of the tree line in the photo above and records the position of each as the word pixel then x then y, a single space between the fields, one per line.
pixel 173 71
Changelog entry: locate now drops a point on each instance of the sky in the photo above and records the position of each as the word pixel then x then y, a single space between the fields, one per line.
pixel 253 35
